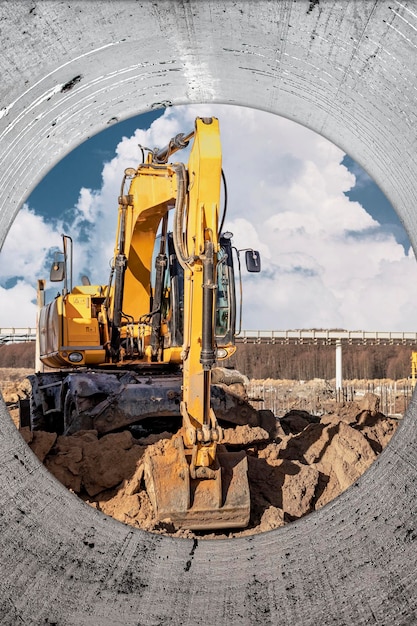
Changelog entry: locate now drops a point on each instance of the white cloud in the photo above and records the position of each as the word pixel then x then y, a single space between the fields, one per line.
pixel 18 306
pixel 29 240
pixel 326 261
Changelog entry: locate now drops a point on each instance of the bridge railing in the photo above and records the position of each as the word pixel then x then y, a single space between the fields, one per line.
pixel 329 337
pixel 16 335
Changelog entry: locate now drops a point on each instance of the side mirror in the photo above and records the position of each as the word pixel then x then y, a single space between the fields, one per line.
pixel 57 272
pixel 253 261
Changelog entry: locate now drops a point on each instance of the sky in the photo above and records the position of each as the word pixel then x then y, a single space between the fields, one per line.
pixel 334 253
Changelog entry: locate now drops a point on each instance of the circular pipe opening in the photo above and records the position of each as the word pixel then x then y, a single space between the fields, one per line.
pixel 288 191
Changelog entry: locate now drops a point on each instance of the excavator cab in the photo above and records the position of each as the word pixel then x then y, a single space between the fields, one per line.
pixel 172 302
pixel 225 315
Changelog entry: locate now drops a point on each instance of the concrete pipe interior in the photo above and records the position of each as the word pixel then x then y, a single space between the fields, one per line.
pixel 345 70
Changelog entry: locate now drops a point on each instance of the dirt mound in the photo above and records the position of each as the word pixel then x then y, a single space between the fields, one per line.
pixel 308 462
pixel 13 384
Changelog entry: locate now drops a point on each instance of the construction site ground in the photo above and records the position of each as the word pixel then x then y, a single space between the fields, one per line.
pixel 309 459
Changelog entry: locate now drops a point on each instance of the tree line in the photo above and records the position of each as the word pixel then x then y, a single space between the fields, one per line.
pixel 293 362
pixel 18 354
pixel 305 362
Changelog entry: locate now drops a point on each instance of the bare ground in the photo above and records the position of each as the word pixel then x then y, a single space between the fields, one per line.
pixel 301 464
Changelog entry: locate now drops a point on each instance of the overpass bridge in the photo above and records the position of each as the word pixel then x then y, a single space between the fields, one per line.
pixel 336 338
pixel 17 335
pixel 328 337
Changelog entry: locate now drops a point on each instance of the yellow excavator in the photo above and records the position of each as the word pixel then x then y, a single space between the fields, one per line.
pixel 139 352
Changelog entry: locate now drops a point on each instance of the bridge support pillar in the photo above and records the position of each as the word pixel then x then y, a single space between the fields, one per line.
pixel 338 364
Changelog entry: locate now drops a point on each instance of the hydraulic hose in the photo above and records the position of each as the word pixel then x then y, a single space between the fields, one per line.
pixel 225 204
pixel 179 215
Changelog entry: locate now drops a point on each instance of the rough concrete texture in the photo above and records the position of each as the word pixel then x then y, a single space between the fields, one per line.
pixel 345 70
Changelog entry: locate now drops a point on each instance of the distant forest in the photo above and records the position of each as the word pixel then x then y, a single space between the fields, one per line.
pixel 294 362
pixel 305 362
pixel 18 354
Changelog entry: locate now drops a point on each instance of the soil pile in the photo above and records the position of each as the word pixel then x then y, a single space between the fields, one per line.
pixel 14 385
pixel 301 464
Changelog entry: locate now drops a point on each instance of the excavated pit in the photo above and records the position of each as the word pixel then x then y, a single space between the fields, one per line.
pixel 299 466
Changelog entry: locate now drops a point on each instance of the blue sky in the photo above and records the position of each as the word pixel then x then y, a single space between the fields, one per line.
pixel 83 167
pixel 369 195
pixel 334 251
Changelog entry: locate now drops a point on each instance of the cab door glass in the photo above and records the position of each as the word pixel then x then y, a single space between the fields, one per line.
pixel 223 295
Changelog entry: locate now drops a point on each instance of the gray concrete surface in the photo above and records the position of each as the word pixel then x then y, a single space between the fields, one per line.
pixel 345 70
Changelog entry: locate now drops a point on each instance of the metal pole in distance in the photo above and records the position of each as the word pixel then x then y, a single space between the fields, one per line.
pixel 39 366
pixel 338 364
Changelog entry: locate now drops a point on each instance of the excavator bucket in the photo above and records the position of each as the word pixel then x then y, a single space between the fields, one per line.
pixel 220 502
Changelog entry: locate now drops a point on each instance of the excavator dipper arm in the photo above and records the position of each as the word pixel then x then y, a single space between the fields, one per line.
pixel 196 483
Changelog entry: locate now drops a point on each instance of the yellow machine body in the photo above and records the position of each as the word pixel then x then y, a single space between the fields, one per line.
pixel 70 324
pixel 194 483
